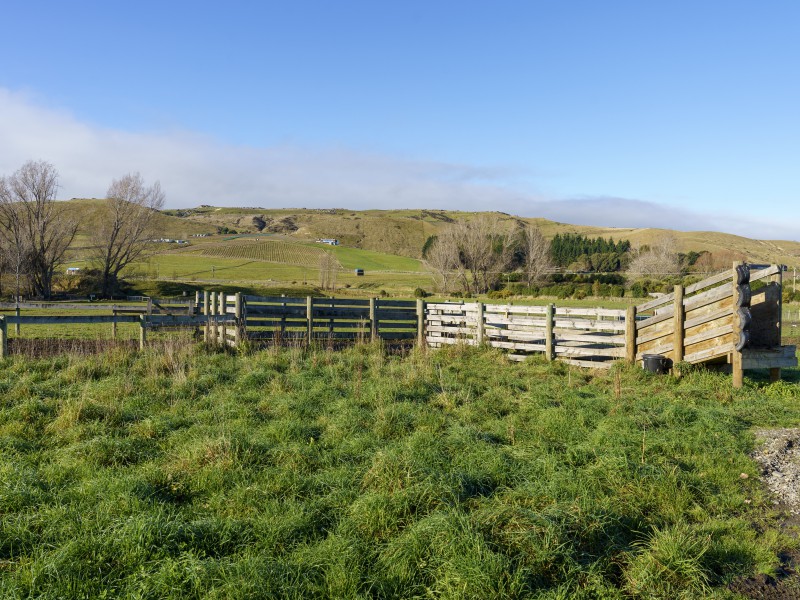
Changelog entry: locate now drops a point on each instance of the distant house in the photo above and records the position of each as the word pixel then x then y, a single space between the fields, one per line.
pixel 359 272
pixel 73 270
pixel 329 241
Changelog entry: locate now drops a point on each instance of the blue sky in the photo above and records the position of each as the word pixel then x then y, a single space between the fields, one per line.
pixel 662 114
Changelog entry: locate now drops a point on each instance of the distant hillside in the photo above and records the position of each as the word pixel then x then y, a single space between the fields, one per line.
pixel 88 211
pixel 404 232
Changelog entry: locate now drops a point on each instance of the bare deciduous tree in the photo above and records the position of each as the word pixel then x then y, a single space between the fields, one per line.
pixel 125 227
pixel 486 250
pixel 659 259
pixel 38 230
pixel 442 259
pixel 537 255
pixel 714 262
pixel 328 270
pixel 475 253
pixel 14 247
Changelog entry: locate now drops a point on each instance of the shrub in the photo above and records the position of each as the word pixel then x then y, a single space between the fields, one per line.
pixel 500 294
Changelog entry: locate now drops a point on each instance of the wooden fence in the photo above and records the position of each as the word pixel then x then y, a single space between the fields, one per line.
pixel 724 319
pixel 720 320
pixel 590 337
pixel 281 319
pixel 150 314
pixel 733 319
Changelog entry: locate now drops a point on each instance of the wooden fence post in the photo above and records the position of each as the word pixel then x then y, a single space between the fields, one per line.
pixel 677 325
pixel 736 359
pixel 775 372
pixel 17 324
pixel 114 324
pixel 309 319
pixel 149 306
pixel 3 337
pixel 207 313
pixel 481 330
pixel 550 321
pixel 222 314
pixel 212 329
pixel 332 320
pixel 142 331
pixel 196 301
pixel 420 322
pixel 630 335
pixel 239 324
pixel 283 320
pixel 373 320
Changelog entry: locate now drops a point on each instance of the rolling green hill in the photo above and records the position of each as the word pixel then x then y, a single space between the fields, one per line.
pixel 276 246
pixel 403 232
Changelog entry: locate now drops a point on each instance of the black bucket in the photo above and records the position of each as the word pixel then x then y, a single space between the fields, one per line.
pixel 656 363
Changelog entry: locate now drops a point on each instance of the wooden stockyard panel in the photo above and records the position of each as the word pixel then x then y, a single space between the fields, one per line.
pixel 710 297
pixel 713 347
pixel 663 347
pixel 766 308
pixel 589 335
pixel 275 317
pixel 450 323
pixel 782 357
pixel 708 329
pixel 331 318
pixel 586 333
pixel 710 324
pixel 654 332
pixel 664 314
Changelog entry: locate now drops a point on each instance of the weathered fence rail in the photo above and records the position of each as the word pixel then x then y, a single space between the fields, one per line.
pixel 721 320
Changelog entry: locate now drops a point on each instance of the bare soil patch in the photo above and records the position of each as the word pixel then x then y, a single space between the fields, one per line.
pixel 778 454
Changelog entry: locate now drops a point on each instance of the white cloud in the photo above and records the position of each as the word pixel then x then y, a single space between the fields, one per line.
pixel 194 169
pixel 624 212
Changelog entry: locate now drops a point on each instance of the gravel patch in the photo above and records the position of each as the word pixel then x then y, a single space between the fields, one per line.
pixel 778 453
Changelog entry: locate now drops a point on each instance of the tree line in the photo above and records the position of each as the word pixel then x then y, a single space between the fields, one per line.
pixel 490 254
pixel 36 231
pixel 474 255
pixel 569 248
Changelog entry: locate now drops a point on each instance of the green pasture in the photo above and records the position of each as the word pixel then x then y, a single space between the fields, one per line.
pixel 186 266
pixel 355 258
pixel 194 473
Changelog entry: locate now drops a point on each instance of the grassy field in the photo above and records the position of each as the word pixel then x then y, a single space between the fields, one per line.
pixel 276 251
pixel 382 271
pixel 190 473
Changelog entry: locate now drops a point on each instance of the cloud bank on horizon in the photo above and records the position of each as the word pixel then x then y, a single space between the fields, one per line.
pixel 195 169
